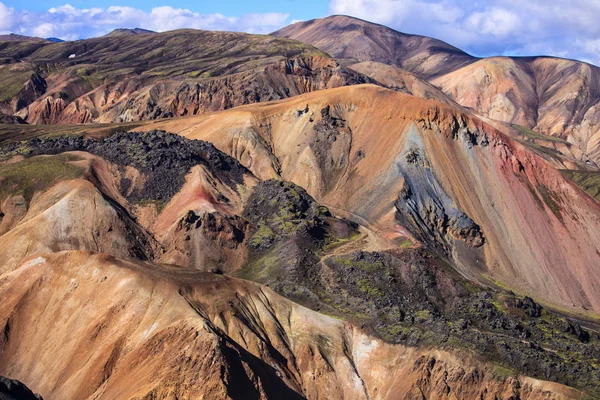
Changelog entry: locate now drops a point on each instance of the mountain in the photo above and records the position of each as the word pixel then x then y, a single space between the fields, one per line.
pixel 13 37
pixel 54 40
pixel 130 77
pixel 169 333
pixel 255 218
pixel 353 40
pixel 152 239
pixel 450 164
pixel 553 97
pixel 401 80
pixel 128 32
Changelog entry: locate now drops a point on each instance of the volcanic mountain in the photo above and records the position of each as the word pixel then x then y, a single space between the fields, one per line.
pixel 551 96
pixel 158 229
pixel 257 220
pixel 13 37
pixel 353 40
pixel 134 31
pixel 447 164
pixel 132 75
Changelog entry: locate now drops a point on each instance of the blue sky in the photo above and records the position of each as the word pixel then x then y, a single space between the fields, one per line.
pixel 304 9
pixel 493 27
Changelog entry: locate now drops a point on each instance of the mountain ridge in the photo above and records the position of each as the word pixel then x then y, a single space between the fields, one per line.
pixel 133 77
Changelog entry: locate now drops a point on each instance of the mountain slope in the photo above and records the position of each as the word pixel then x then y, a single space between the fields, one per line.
pixel 353 40
pixel 126 77
pixel 540 238
pixel 552 96
pixel 12 37
pixel 129 32
pixel 402 80
pixel 165 333
pixel 231 336
pixel 355 242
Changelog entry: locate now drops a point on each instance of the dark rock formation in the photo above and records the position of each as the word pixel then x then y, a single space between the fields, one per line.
pixel 279 210
pixel 227 231
pixel 333 137
pixel 414 299
pixel 11 119
pixel 34 88
pixel 165 158
pixel 11 389
pixel 428 212
pixel 288 228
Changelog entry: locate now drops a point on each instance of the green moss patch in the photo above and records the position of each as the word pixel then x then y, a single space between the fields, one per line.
pixel 551 200
pixel 589 181
pixel 35 174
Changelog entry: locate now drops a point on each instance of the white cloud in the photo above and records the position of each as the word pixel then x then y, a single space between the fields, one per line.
pixel 515 27
pixel 6 18
pixel 68 22
pixel 496 22
pixel 390 12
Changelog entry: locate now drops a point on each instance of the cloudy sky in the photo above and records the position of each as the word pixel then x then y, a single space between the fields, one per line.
pixel 507 27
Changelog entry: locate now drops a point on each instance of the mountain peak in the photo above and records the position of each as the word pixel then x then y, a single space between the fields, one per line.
pixel 127 31
pixel 355 40
pixel 13 37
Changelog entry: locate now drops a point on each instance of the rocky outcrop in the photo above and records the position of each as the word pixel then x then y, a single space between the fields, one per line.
pixel 208 241
pixel 287 230
pixel 279 210
pixel 45 110
pixel 34 88
pixel 332 136
pixel 427 211
pixel 11 119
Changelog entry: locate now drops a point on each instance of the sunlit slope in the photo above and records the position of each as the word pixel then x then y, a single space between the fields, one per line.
pixel 457 184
